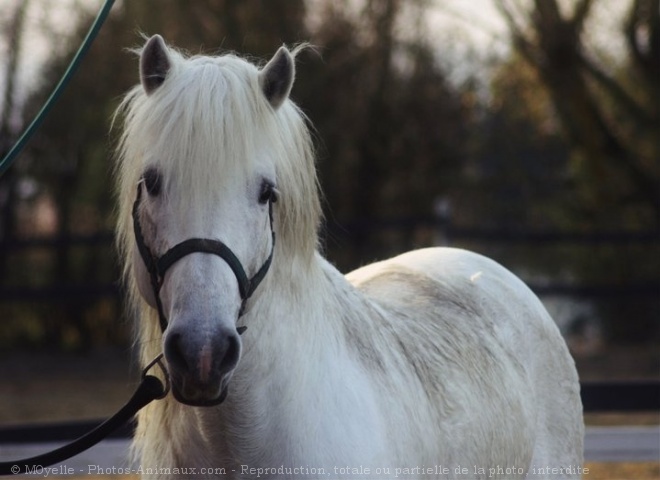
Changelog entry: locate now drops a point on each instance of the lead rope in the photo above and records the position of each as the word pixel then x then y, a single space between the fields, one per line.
pixel 150 389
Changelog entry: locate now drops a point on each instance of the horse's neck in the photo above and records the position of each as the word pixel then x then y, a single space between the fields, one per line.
pixel 298 300
pixel 294 366
pixel 299 318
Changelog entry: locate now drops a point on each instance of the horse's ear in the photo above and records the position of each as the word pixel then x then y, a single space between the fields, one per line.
pixel 154 64
pixel 276 78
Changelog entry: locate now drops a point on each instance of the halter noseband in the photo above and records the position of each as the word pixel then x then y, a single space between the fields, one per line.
pixel 157 266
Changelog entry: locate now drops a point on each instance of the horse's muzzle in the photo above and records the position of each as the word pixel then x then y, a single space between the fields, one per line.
pixel 200 368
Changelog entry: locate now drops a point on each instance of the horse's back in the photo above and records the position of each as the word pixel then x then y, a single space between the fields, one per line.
pixel 491 298
pixel 491 346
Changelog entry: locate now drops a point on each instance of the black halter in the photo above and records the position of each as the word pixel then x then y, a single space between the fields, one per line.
pixel 157 266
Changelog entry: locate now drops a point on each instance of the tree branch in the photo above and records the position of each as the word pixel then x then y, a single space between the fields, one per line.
pixel 616 91
pixel 644 18
pixel 521 42
pixel 581 13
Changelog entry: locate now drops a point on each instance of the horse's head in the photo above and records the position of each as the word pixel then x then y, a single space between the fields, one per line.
pixel 202 147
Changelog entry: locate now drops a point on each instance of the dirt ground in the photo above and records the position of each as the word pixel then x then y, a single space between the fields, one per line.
pixel 44 388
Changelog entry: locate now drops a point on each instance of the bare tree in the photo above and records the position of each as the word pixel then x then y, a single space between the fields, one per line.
pixel 610 117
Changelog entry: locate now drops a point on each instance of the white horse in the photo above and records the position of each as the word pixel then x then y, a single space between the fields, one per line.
pixel 438 363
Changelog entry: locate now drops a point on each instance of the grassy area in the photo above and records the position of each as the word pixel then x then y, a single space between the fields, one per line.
pixel 623 471
pixel 616 419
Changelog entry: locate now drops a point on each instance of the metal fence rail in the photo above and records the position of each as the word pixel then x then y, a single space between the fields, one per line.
pixel 644 288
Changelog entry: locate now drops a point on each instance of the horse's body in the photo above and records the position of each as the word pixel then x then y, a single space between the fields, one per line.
pixel 438 363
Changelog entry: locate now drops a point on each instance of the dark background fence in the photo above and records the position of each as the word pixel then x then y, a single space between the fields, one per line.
pixel 83 292
pixel 450 235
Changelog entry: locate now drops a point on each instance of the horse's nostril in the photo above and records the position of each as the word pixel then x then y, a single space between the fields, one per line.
pixel 174 352
pixel 232 353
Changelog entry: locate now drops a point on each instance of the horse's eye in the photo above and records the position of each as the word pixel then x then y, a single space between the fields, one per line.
pixel 268 193
pixel 152 181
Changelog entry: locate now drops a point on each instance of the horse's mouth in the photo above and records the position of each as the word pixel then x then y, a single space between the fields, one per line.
pixel 197 397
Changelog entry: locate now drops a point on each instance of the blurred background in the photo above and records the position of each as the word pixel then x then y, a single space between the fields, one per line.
pixel 527 131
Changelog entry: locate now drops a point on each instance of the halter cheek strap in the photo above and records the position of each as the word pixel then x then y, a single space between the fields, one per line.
pixel 158 266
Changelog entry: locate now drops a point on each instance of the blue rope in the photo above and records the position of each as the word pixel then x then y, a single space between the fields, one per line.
pixel 73 66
